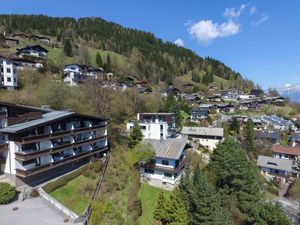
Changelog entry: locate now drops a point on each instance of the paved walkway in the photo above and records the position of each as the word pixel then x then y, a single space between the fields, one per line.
pixel 34 211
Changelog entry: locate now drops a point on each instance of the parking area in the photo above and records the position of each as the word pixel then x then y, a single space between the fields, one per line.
pixel 34 211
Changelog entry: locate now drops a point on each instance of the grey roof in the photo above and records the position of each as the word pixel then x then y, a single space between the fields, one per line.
pixel 207 131
pixel 274 163
pixel 47 117
pixel 170 148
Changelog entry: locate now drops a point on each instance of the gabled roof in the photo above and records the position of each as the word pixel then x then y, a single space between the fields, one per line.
pixel 274 163
pixel 33 47
pixel 267 135
pixel 286 150
pixel 206 131
pixel 170 148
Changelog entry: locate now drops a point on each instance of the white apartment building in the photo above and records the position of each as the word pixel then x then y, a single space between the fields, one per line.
pixel 157 126
pixel 37 145
pixel 205 136
pixel 8 74
pixel 157 130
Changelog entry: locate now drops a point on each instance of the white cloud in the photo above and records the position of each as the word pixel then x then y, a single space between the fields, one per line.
pixel 252 10
pixel 187 23
pixel 259 21
pixel 179 42
pixel 233 13
pixel 205 31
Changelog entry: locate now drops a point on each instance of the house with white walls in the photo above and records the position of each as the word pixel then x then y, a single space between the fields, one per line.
pixel 165 170
pixel 208 137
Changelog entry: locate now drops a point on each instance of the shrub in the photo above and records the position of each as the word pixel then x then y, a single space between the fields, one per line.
pixel 89 173
pixel 98 166
pixel 7 193
pixel 272 189
pixel 51 186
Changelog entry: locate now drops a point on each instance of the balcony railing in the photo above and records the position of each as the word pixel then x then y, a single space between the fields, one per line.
pixel 34 154
pixel 40 137
pixel 39 169
pixel 3 147
pixel 153 166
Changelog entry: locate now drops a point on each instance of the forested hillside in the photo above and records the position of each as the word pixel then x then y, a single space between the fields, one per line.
pixel 149 57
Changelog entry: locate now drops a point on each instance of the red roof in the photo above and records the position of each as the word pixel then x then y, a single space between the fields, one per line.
pixel 286 150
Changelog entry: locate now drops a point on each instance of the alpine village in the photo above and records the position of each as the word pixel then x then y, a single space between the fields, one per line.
pixel 106 125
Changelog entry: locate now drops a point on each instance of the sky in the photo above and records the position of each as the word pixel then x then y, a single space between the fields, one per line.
pixel 259 39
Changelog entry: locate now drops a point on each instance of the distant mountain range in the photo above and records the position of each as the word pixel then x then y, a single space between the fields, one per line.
pixel 290 91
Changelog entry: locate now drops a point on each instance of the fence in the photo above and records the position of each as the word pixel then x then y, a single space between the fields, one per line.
pixel 88 211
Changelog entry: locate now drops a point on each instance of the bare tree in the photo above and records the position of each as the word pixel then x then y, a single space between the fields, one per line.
pixel 100 94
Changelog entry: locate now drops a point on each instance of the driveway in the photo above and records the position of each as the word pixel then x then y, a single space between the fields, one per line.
pixel 34 211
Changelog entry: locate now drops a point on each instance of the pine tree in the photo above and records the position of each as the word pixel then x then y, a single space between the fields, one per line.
pixel 249 136
pixel 136 135
pixel 160 210
pixel 176 211
pixel 237 177
pixel 108 64
pixel 99 61
pixel 205 202
pixel 235 126
pixel 68 48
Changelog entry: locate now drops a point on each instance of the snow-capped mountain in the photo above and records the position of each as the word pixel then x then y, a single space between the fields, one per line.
pixel 290 91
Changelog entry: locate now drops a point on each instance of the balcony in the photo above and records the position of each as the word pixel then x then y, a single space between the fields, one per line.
pixel 153 166
pixel 24 156
pixel 2 159
pixel 3 147
pixel 40 169
pixel 61 133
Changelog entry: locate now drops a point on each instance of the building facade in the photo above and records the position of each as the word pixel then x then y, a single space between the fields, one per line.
pixel 38 144
pixel 205 136
pixel 8 74
pixel 165 170
pixel 157 126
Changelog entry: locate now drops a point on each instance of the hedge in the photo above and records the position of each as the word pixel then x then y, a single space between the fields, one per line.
pixel 7 193
pixel 51 186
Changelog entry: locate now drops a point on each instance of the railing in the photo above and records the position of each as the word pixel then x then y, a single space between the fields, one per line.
pixel 56 204
pixel 33 154
pixel 39 169
pixel 88 211
pixel 4 147
pixel 166 169
pixel 62 133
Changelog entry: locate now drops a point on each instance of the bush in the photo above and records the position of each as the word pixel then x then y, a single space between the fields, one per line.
pixel 272 189
pixel 51 186
pixel 90 173
pixel 98 166
pixel 7 193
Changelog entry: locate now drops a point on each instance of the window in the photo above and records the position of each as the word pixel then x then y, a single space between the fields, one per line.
pixel 25 163
pixel 161 127
pixel 165 162
pixel 168 175
pixel 8 79
pixel 15 80
pixel 8 70
pixel 149 171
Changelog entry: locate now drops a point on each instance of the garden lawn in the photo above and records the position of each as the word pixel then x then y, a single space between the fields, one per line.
pixel 149 197
pixel 73 194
